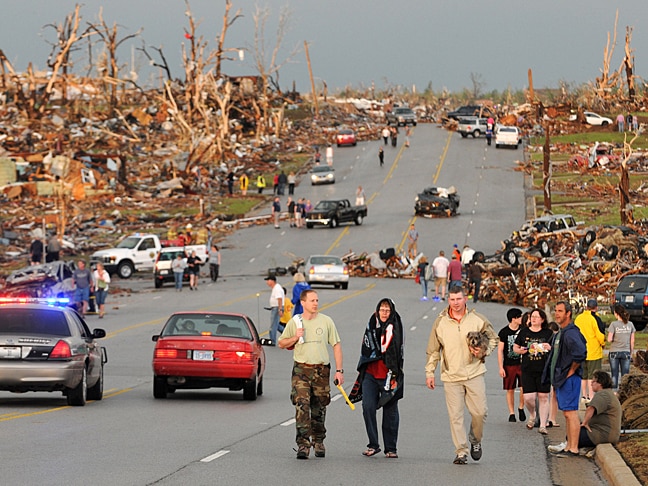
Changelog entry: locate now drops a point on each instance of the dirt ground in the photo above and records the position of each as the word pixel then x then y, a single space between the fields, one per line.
pixel 634 450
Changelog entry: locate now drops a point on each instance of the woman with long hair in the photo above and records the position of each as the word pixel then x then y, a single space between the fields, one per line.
pixel 621 335
pixel 533 343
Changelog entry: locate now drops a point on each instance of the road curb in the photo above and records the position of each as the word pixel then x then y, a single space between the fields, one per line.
pixel 615 469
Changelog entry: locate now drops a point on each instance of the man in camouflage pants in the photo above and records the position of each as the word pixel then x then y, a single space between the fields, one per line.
pixel 309 334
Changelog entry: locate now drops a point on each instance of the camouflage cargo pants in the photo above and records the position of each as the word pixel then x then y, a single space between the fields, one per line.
pixel 311 393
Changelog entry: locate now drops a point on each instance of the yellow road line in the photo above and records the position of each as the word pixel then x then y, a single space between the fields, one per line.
pixel 337 240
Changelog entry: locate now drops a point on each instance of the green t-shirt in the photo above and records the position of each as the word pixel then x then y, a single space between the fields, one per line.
pixel 606 422
pixel 319 333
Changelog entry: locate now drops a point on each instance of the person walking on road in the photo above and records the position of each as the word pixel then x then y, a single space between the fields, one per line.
pixel 214 263
pixel 381 156
pixel 83 282
pixel 510 368
pixel 385 134
pixel 412 240
pixel 193 264
pixel 563 370
pixel 621 335
pixel 298 288
pixel 380 382
pixel 178 266
pixel 260 183
pixel 101 280
pixel 421 273
pixel 276 303
pixel 440 265
pixel 276 211
pixel 310 334
pixel 462 371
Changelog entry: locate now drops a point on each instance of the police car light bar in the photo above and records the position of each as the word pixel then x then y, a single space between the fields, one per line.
pixel 54 301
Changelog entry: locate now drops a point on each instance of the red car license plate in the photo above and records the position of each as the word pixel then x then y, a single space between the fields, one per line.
pixel 203 355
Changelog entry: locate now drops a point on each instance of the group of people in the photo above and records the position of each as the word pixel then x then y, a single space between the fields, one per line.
pixel 87 281
pixel 629 122
pixel 390 133
pixel 297 211
pixel 52 250
pixel 530 355
pixel 445 273
pixel 192 263
pixel 558 365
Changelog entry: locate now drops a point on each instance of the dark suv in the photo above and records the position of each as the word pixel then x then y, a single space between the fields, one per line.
pixel 632 293
pixel 468 110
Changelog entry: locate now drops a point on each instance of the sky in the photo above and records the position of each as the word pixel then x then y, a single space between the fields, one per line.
pixel 359 43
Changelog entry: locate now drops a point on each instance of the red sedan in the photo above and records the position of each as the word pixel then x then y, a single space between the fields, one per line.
pixel 346 137
pixel 206 350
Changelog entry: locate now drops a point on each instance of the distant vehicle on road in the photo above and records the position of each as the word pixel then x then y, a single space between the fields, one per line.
pixel 346 136
pixel 401 116
pixel 466 111
pixel 472 126
pixel 437 201
pixel 322 174
pixel 198 350
pixel 326 269
pixel 506 136
pixel 332 213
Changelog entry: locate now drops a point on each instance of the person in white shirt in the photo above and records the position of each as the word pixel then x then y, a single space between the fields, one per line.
pixel 440 265
pixel 277 297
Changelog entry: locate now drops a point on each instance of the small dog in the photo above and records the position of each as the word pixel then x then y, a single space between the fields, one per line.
pixel 478 340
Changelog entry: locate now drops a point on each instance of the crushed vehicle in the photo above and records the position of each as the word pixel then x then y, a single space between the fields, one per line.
pixel 48 280
pixel 437 201
pixel 550 224
pixel 332 213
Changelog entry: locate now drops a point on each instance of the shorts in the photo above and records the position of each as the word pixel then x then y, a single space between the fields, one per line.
pixel 568 395
pixel 82 295
pixel 513 378
pixel 532 383
pixel 589 367
pixel 440 281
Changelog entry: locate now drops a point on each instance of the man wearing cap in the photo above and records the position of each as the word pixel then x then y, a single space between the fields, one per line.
pixel 595 339
pixel 276 306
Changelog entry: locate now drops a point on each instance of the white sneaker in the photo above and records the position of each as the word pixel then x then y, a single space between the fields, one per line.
pixel 557 448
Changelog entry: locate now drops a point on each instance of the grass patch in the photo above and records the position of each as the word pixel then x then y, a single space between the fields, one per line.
pixel 595 135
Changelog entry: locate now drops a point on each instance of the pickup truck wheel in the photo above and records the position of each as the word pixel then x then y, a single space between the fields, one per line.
pixel 476 134
pixel 345 285
pixel 125 269
pixel 309 225
pixel 478 256
pixel 464 135
pixel 333 223
pixel 158 283
pixel 497 145
pixel 358 219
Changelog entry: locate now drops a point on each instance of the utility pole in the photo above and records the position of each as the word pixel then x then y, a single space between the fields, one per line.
pixel 310 72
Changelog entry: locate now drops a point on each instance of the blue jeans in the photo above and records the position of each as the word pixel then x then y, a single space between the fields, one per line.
pixel 178 279
pixel 424 286
pixel 619 359
pixel 274 324
pixel 371 388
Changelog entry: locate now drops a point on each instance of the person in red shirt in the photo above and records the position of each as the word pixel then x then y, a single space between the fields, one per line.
pixel 454 272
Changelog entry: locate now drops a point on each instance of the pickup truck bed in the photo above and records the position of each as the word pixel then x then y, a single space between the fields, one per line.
pixel 332 213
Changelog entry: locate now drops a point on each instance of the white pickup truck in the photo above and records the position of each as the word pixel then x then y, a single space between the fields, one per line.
pixel 136 253
pixel 506 136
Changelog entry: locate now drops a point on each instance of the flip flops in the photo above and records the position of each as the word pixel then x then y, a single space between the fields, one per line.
pixel 371 452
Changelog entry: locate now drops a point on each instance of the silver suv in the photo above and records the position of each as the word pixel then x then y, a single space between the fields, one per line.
pixel 472 126
pixel 401 116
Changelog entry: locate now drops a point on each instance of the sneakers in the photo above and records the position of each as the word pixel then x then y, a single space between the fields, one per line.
pixel 320 450
pixel 476 451
pixel 460 460
pixel 424 299
pixel 521 414
pixel 303 452
pixel 512 418
pixel 557 448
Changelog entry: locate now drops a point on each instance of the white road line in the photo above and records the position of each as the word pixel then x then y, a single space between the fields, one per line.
pixel 251 259
pixel 268 245
pixel 214 456
pixel 413 328
pixel 288 422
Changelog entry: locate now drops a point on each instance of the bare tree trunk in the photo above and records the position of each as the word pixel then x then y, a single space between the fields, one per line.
pixel 546 171
pixel 628 63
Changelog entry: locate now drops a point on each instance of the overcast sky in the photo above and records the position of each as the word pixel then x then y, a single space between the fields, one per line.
pixel 357 42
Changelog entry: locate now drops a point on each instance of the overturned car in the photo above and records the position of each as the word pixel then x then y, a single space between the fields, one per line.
pixel 437 201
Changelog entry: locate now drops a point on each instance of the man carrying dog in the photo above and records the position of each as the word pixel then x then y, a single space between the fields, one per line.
pixel 462 372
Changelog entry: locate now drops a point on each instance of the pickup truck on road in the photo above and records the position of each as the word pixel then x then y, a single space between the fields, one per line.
pixel 332 213
pixel 137 253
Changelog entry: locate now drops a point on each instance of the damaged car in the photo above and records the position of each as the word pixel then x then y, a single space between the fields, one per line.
pixel 437 201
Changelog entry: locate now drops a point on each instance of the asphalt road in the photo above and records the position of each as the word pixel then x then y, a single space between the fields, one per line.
pixel 213 436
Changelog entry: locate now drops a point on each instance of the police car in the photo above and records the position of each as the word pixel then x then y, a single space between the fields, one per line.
pixel 46 346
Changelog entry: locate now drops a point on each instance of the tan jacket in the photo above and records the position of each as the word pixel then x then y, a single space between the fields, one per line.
pixel 451 347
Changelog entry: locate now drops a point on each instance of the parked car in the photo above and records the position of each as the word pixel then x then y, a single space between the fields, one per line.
pixel 346 137
pixel 199 350
pixel 472 126
pixel 592 118
pixel 401 115
pixel 46 346
pixel 437 201
pixel 322 174
pixel 466 111
pixel 326 269
pixel 506 136
pixel 632 293
pixel 332 213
